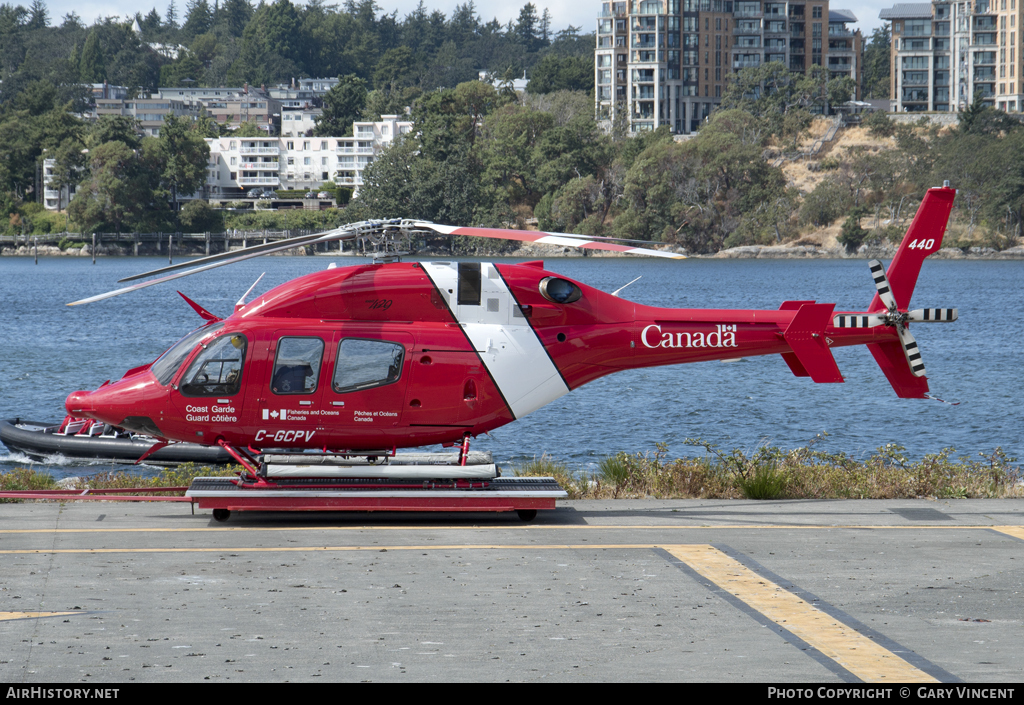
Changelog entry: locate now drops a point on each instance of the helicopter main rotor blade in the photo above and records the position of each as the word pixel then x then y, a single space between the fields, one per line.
pixel 543 238
pixel 237 256
pixel 262 248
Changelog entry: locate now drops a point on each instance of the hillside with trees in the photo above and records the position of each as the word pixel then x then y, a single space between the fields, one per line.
pixel 480 154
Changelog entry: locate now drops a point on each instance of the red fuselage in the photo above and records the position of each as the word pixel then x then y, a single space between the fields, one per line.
pixel 412 354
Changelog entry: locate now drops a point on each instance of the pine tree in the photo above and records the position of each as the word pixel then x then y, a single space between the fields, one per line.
pixel 38 17
pixel 198 19
pixel 91 68
pixel 172 16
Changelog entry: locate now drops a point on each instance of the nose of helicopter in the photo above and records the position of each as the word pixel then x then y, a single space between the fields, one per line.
pixel 79 403
pixel 124 404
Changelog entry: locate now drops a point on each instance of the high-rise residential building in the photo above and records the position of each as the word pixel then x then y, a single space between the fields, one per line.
pixel 943 53
pixel 666 62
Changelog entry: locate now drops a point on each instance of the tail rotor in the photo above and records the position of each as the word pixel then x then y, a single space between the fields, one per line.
pixel 897 319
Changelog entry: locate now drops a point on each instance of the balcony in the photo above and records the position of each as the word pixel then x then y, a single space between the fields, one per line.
pixel 354 150
pixel 259 181
pixel 349 180
pixel 746 30
pixel 259 150
pixel 840 34
pixel 271 166
pixel 746 63
pixel 915 96
pixel 749 13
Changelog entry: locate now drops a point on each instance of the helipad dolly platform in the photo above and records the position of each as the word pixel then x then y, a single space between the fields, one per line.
pixel 524 495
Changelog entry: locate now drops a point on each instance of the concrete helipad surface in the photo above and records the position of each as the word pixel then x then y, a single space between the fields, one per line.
pixel 775 592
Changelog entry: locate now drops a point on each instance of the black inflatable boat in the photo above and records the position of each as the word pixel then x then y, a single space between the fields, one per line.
pixel 40 441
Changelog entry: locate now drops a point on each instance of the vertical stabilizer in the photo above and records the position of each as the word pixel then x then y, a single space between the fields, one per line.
pixel 922 239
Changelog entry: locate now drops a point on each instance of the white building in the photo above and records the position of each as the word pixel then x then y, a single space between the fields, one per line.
pixel 298 122
pixel 54 199
pixel 238 164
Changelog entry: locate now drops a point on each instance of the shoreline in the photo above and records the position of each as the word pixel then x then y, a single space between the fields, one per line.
pixel 553 251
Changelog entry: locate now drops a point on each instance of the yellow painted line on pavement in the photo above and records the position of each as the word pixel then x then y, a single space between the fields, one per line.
pixel 5 616
pixel 849 648
pixel 530 527
pixel 299 549
pixel 1016 532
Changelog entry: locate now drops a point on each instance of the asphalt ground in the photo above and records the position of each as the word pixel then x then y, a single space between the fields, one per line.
pixel 628 590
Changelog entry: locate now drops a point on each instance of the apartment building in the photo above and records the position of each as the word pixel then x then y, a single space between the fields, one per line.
pixel 666 62
pixel 238 164
pixel 149 112
pixel 943 53
pixel 298 122
pixel 232 106
pixel 304 92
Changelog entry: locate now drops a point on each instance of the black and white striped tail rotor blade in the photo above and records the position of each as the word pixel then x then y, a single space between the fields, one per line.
pixel 861 321
pixel 930 315
pixel 882 284
pixel 912 352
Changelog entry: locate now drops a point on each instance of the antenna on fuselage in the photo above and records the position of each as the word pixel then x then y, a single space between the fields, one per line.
pixel 241 301
pixel 616 292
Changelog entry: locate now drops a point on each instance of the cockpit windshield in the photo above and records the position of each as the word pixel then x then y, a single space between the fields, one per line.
pixel 168 363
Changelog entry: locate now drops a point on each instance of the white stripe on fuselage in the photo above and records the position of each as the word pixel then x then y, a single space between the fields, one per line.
pixel 502 337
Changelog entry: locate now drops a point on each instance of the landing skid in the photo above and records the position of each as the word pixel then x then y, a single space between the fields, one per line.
pixel 375 482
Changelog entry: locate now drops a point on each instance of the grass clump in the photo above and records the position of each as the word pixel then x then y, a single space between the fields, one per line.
pixel 770 472
pixel 180 476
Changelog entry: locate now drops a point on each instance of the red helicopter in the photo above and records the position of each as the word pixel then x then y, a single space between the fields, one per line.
pixel 402 354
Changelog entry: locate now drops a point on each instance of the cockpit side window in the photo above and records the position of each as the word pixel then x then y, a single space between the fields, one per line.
pixel 363 364
pixel 217 370
pixel 168 363
pixel 297 366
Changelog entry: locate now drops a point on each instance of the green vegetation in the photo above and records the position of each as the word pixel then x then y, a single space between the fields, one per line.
pixel 478 154
pixel 803 473
pixel 180 476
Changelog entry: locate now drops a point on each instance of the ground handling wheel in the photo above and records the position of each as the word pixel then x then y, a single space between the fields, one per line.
pixel 527 514
pixel 223 514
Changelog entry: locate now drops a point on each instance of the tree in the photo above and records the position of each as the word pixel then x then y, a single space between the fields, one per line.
pixel 117 191
pixel 527 27
pixel 198 19
pixel 506 150
pixel 91 69
pixel 183 155
pixel 39 16
pixel 249 129
pixel 877 59
pixel 394 70
pixel 556 73
pixel 343 105
pixel 197 216
pixel 234 15
pixel 114 128
pixel 171 17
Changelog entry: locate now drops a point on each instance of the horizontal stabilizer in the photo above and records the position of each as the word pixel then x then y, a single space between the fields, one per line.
pixel 806 336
